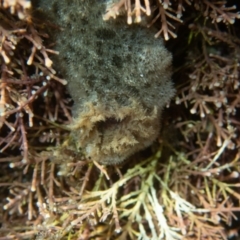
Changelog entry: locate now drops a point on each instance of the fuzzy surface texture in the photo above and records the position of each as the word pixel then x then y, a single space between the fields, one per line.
pixel 119 77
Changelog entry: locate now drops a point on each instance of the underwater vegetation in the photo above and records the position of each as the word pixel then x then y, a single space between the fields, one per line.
pixel 118 77
pixel 89 149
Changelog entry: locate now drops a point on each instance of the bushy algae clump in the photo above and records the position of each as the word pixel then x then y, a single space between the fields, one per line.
pixel 186 186
pixel 118 76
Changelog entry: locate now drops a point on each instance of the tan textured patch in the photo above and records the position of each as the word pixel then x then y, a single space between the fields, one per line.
pixel 110 135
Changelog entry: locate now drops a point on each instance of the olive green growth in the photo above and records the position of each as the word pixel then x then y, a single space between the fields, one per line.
pixel 119 77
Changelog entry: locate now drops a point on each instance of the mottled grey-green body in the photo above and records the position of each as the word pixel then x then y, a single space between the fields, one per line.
pixel 118 75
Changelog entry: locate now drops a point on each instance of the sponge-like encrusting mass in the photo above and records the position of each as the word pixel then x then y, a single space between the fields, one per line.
pixel 119 77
